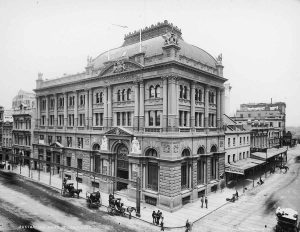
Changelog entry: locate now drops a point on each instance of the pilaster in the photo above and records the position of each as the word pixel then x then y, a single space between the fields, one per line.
pixel 47 110
pixel 55 109
pixel 76 108
pixel 86 108
pixel 222 110
pixel 109 106
pixel 136 106
pixel 105 116
pixel 90 108
pixel 65 110
pixel 142 107
pixel 165 104
pixel 206 111
pixel 192 123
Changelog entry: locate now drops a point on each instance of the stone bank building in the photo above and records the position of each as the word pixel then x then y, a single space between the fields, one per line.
pixel 150 109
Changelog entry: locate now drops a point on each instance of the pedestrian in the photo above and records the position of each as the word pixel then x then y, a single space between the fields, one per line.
pixel 202 202
pixel 154 217
pixel 237 194
pixel 157 217
pixel 187 225
pixel 206 201
pixel 162 224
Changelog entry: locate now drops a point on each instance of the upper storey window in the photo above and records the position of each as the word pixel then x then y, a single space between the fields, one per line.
pixel 124 95
pixel 52 103
pixel 71 100
pixel 82 100
pixel 154 91
pixel 198 95
pixel 211 97
pixel 61 102
pixel 43 106
pixel 99 97
pixel 183 92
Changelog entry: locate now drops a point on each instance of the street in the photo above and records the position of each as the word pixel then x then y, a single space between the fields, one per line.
pixel 256 209
pixel 28 204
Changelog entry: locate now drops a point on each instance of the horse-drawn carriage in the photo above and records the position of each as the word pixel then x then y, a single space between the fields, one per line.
pixel 93 199
pixel 69 189
pixel 116 207
pixel 286 220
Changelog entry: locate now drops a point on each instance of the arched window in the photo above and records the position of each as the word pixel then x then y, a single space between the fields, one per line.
pixel 201 151
pixel 123 95
pixel 157 91
pixel 119 95
pixel 101 97
pixel 196 95
pixel 97 98
pixel 200 95
pixel 96 147
pixel 180 91
pixel 151 91
pixel 185 152
pixel 213 148
pixel 185 92
pixel 128 94
pixel 212 97
pixel 151 152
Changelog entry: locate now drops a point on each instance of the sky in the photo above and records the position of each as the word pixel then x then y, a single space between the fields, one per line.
pixel 259 41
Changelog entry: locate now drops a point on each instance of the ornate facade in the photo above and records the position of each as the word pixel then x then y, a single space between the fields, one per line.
pixel 149 110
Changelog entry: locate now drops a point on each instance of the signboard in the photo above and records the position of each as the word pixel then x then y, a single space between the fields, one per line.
pixel 235 170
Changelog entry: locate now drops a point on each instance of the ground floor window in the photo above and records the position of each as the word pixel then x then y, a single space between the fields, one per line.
pixel 184 176
pixel 200 172
pixel 152 176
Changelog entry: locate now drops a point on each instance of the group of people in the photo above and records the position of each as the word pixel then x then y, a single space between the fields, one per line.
pixel 156 217
pixel 204 200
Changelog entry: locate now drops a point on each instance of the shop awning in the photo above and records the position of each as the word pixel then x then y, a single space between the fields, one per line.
pixel 269 154
pixel 240 166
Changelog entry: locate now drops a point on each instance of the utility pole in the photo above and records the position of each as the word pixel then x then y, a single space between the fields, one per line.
pixel 138 197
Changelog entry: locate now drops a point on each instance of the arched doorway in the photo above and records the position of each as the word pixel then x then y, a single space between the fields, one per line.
pixel 122 165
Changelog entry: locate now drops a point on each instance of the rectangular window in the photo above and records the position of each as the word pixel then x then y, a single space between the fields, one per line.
pixel 71 119
pixel 247 154
pixel 81 119
pixel 233 157
pixel 152 176
pixel 228 159
pixel 228 142
pixel 80 142
pixel 79 163
pixel 151 119
pixel 97 119
pixel 157 118
pixel 68 161
pixel 249 115
pixel 129 118
pixel 243 155
pixel 244 140
pixel 58 139
pixel 185 118
pixel 233 141
pixel 180 118
pixel 118 118
pixel 123 119
pixel 240 140
pixel 184 176
pixel 49 139
pixel 51 120
pixel 43 120
pixel 69 141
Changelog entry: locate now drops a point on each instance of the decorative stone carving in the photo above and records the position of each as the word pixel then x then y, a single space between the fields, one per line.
pixel 219 59
pixel 176 148
pixel 170 39
pixel 87 141
pixel 166 148
pixel 89 60
pixel 135 146
pixel 104 144
pixel 119 66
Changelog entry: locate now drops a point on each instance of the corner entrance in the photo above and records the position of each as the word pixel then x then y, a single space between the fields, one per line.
pixel 122 166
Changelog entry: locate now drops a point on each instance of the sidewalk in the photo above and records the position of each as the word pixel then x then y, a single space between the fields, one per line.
pixel 192 211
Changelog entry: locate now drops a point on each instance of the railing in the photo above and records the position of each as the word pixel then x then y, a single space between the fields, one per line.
pixel 70 128
pixel 184 187
pixel 213 129
pixel 152 187
pixel 60 127
pixel 80 127
pixel 156 130
pixel 97 128
pixel 184 129
pixel 200 129
pixel 200 182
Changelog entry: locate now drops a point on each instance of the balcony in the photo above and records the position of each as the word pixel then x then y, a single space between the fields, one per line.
pixel 200 130
pixel 152 130
pixel 152 187
pixel 185 130
pixel 97 127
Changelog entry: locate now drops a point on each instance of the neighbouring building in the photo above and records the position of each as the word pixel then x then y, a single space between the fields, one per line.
pixel 149 110
pixel 1 130
pixel 23 123
pixel 6 139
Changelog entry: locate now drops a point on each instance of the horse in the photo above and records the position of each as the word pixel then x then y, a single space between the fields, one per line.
pixel 75 191
pixel 286 168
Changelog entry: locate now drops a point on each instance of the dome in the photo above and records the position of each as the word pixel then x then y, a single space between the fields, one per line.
pixel 152 44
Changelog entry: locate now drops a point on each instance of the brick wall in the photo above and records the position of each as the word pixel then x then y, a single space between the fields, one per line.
pixel 169 180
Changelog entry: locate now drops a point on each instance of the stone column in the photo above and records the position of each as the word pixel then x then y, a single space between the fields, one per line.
pixel 136 107
pixel 165 104
pixel 105 116
pixel 65 110
pixel 90 108
pixel 142 107
pixel 38 112
pixel 47 111
pixel 76 108
pixel 109 106
pixel 219 108
pixel 173 103
pixel 86 108
pixel 206 107
pixel 55 109
pixel 192 105
pixel 222 111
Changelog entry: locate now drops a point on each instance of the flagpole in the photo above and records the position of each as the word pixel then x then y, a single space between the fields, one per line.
pixel 140 39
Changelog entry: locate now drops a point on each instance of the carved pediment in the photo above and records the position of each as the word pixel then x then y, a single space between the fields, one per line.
pixel 119 131
pixel 56 145
pixel 120 66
